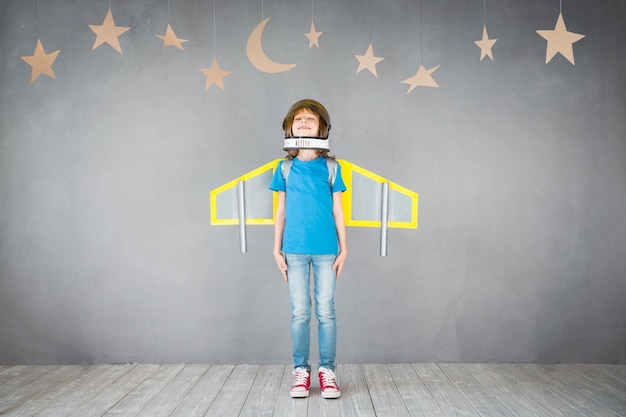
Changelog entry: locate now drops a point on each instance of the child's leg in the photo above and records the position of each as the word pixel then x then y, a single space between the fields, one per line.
pixel 298 267
pixel 324 291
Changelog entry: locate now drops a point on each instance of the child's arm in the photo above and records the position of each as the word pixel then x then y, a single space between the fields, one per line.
pixel 340 224
pixel 279 228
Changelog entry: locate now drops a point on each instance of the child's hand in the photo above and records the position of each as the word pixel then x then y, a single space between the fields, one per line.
pixel 339 261
pixel 282 264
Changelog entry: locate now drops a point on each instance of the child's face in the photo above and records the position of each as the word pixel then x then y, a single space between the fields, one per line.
pixel 305 123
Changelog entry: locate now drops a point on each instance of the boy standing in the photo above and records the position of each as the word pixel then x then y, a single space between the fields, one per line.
pixel 310 233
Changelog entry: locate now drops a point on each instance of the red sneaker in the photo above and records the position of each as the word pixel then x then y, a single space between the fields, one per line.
pixel 301 383
pixel 328 384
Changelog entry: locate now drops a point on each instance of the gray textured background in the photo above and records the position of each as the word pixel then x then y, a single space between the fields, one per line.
pixel 106 249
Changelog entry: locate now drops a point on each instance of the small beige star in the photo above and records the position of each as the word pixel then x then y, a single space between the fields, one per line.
pixel 313 36
pixel 560 41
pixel 41 62
pixel 108 32
pixel 485 44
pixel 214 75
pixel 170 39
pixel 368 61
pixel 423 77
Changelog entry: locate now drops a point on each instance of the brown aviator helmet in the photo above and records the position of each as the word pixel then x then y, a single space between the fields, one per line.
pixel 310 104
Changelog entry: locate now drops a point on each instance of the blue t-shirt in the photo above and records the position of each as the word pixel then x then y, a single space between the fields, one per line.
pixel 309 222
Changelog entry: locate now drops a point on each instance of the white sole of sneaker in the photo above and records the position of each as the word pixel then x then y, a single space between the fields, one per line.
pixel 330 395
pixel 299 394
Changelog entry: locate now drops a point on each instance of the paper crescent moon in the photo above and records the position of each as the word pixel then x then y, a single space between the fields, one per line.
pixel 257 57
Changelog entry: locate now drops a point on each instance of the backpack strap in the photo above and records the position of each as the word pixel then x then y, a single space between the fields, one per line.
pixel 332 171
pixel 285 167
pixel 331 164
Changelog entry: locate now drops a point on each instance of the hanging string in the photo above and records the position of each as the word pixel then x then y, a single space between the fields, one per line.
pixel 37 20
pixel 420 34
pixel 168 11
pixel 214 32
pixel 312 14
pixel 262 10
pixel 484 12
pixel 560 6
pixel 369 14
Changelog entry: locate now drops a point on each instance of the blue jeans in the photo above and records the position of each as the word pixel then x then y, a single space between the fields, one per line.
pixel 324 281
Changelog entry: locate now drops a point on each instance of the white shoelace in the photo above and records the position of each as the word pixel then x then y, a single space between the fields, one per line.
pixel 328 378
pixel 301 378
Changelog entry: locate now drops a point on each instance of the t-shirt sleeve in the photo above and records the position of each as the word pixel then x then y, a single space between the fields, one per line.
pixel 278 182
pixel 339 185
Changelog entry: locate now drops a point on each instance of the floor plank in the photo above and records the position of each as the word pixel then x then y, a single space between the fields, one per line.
pixel 138 398
pixel 355 396
pixel 19 377
pixel 368 390
pixel 418 399
pixel 263 395
pixel 385 397
pixel 545 399
pixel 201 396
pixel 605 398
pixel 104 399
pixel 2 369
pixel 572 396
pixel 595 374
pixel 26 385
pixel 507 392
pixel 476 393
pixel 166 401
pixel 615 371
pixel 73 395
pixel 232 396
pixel 446 393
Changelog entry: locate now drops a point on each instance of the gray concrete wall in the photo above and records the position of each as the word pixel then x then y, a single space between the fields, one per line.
pixel 106 249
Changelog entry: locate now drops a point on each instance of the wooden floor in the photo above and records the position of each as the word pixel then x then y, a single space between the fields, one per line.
pixel 262 390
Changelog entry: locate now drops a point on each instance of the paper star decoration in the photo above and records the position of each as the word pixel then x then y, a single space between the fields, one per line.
pixel 170 39
pixel 423 77
pixel 313 36
pixel 485 44
pixel 214 75
pixel 368 61
pixel 41 62
pixel 560 41
pixel 108 32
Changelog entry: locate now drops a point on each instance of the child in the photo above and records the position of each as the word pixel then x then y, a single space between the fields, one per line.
pixel 310 232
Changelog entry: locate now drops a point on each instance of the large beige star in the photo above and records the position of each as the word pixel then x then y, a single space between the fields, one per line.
pixel 214 75
pixel 368 61
pixel 485 44
pixel 313 36
pixel 108 32
pixel 170 39
pixel 41 62
pixel 560 41
pixel 423 77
